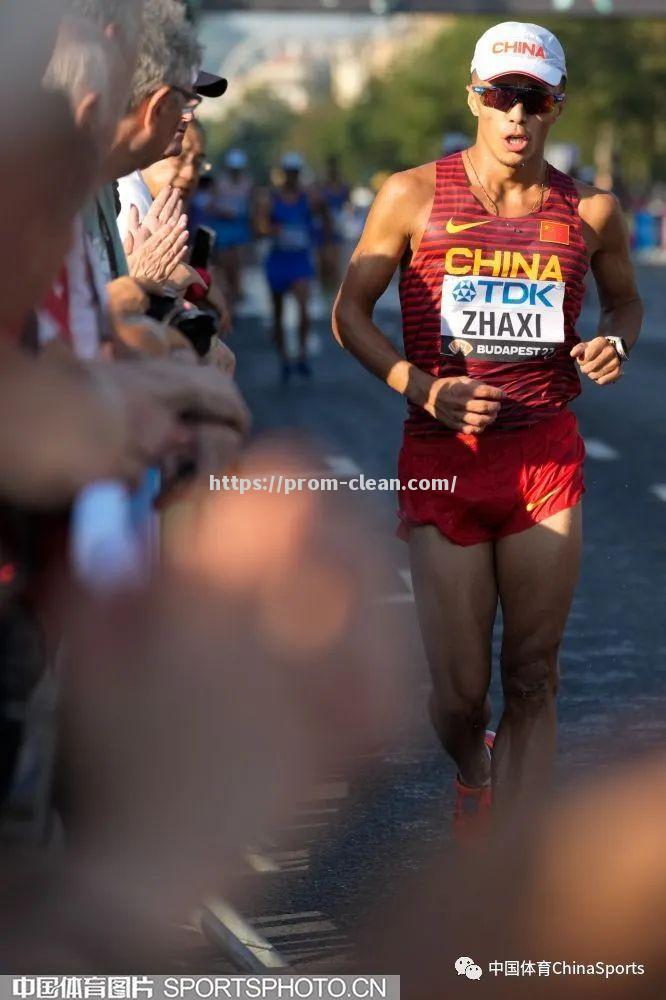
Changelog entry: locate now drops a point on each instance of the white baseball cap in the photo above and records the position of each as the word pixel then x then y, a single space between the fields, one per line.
pixel 292 161
pixel 235 159
pixel 514 47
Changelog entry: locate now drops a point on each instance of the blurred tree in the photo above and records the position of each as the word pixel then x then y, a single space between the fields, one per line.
pixel 614 113
pixel 616 94
pixel 260 125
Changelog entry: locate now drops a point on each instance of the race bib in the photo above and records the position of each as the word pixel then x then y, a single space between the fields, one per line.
pixel 293 237
pixel 231 206
pixel 503 319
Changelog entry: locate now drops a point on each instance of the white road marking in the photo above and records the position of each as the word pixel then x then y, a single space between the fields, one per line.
pixel 659 490
pixel 261 863
pixel 406 575
pixel 342 465
pixel 239 940
pixel 600 450
pixel 317 926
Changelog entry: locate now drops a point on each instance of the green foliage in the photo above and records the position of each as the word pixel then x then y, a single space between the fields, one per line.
pixel 260 126
pixel 617 78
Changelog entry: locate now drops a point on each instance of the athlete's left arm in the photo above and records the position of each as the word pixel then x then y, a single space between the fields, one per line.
pixel 621 306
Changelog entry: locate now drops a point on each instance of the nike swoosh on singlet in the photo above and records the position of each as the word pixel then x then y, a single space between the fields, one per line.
pixel 537 503
pixel 452 228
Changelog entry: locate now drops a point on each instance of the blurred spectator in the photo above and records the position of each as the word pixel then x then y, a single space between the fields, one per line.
pixel 42 152
pixel 229 208
pixel 90 65
pixel 334 192
pixel 28 30
pixel 182 172
pixel 81 293
pixel 161 93
pixel 197 715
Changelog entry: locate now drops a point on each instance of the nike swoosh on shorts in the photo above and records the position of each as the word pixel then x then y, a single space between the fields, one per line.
pixel 537 503
pixel 452 228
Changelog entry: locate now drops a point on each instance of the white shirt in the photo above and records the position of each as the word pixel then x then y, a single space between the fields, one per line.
pixel 133 190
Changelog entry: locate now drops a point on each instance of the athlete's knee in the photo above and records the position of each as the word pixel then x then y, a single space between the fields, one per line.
pixel 448 715
pixel 530 681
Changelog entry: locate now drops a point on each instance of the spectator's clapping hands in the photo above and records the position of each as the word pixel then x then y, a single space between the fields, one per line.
pixel 167 207
pixel 161 253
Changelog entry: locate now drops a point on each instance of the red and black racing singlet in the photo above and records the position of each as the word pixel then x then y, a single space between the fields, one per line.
pixel 496 299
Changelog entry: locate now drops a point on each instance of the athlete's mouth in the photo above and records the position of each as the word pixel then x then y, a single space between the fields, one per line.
pixel 517 143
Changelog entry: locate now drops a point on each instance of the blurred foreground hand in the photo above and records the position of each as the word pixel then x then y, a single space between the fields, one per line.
pixel 197 716
pixel 64 430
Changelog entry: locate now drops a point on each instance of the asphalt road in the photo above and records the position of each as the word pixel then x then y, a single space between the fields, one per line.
pixel 362 835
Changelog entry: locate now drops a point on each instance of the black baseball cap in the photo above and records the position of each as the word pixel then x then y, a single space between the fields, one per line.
pixel 210 85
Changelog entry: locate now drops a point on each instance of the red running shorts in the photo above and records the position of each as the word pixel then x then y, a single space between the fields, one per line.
pixel 505 482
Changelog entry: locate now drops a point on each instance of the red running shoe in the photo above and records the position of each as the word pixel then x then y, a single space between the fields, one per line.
pixel 471 814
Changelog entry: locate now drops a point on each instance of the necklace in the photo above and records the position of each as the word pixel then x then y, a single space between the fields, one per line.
pixel 536 207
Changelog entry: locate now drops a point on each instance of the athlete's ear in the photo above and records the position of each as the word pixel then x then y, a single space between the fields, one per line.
pixel 472 101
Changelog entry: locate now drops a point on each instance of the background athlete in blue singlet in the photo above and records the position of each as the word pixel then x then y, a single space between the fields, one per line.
pixel 230 208
pixel 287 214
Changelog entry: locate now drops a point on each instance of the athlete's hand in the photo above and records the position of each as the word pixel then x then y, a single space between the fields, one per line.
pixel 463 404
pixel 598 360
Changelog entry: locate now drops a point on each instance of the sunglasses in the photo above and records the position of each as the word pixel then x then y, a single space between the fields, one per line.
pixel 192 101
pixel 533 99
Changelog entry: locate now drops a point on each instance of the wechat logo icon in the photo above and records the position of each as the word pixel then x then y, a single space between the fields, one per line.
pixel 468 967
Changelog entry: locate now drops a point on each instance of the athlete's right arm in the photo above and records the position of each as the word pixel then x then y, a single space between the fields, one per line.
pixel 462 404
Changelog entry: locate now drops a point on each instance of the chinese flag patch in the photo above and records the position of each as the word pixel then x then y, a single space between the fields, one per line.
pixel 554 232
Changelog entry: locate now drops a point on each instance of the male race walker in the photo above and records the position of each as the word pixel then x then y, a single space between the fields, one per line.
pixel 494 245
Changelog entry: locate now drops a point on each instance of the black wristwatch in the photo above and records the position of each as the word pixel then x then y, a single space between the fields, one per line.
pixel 621 348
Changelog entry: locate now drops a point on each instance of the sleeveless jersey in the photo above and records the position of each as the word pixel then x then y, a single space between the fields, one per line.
pixel 496 299
pixel 233 197
pixel 294 222
pixel 231 210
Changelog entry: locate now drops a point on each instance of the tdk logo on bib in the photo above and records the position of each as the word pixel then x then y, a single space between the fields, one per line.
pixel 507 319
pixel 517 293
pixel 464 291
